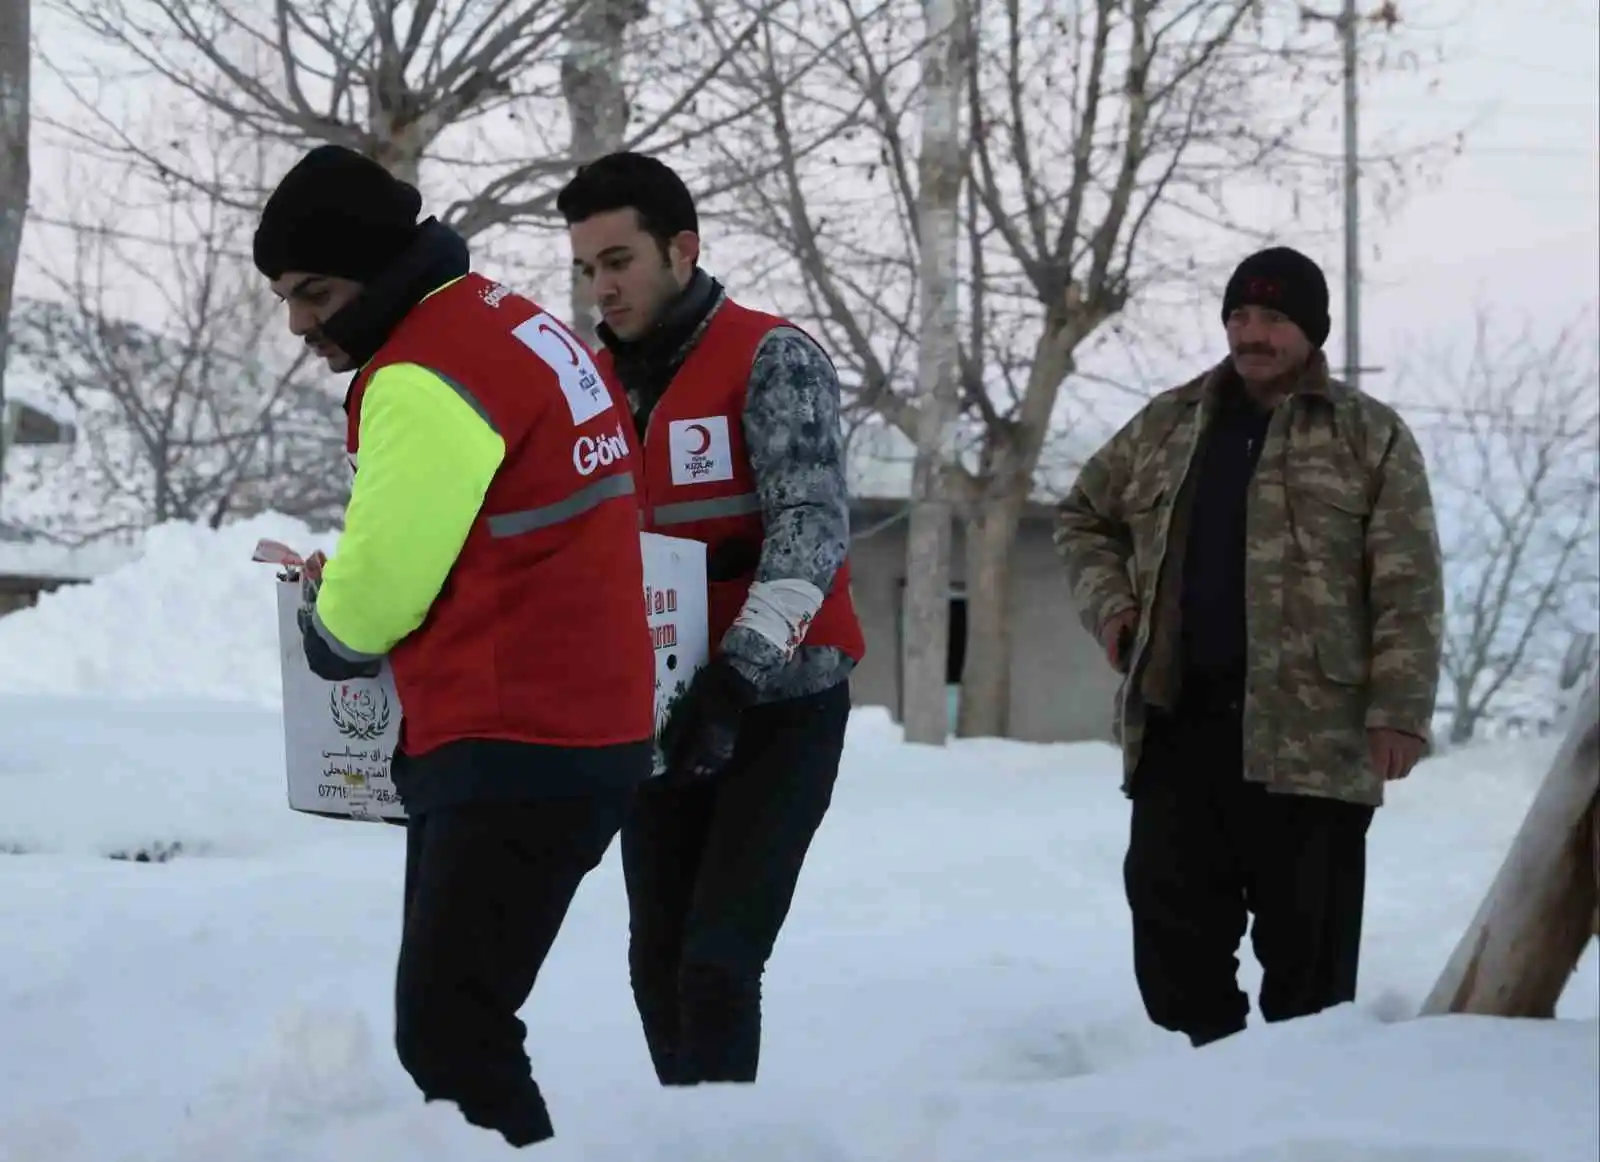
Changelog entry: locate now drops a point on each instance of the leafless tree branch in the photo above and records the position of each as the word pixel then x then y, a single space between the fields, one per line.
pixel 1107 140
pixel 1514 448
pixel 464 98
pixel 187 402
pixel 16 71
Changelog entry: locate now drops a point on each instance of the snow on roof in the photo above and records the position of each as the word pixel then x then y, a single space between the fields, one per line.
pixel 25 554
pixel 22 392
pixel 24 386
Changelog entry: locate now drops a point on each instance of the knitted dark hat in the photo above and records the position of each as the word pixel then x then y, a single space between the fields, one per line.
pixel 337 213
pixel 1283 280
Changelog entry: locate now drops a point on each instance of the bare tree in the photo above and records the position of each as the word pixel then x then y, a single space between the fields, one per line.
pixel 474 89
pixel 1514 445
pixel 1106 140
pixel 15 68
pixel 940 162
pixel 168 348
pixel 597 104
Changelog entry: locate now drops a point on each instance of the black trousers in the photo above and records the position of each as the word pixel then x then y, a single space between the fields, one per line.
pixel 487 887
pixel 711 868
pixel 1206 852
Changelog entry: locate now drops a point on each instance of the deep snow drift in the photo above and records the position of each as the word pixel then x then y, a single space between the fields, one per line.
pixel 193 616
pixel 954 984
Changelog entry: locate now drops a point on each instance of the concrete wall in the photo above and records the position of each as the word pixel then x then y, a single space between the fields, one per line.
pixel 1061 685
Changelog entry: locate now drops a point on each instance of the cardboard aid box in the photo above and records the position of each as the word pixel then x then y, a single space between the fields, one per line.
pixel 338 736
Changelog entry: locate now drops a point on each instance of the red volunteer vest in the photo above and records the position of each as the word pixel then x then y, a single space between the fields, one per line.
pixel 539 634
pixel 698 482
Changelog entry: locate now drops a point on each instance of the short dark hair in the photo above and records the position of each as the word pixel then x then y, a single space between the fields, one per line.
pixel 623 181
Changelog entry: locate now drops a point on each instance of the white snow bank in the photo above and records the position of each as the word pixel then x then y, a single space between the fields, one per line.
pixel 95 775
pixel 1336 1088
pixel 103 776
pixel 191 617
pixel 954 983
pixel 92 775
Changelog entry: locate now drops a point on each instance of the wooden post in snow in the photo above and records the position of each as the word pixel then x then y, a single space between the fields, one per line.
pixel 1594 837
pixel 1531 930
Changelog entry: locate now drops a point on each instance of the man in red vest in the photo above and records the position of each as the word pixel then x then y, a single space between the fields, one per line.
pixel 494 563
pixel 737 415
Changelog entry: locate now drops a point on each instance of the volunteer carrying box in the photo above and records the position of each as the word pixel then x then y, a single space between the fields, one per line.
pixel 338 736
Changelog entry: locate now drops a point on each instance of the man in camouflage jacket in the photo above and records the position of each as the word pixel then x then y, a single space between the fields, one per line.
pixel 1256 552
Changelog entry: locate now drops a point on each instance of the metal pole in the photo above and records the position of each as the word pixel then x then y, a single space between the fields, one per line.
pixel 1352 202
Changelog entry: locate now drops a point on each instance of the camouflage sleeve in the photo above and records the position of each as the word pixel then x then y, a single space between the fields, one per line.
pixel 1405 570
pixel 796 443
pixel 1093 539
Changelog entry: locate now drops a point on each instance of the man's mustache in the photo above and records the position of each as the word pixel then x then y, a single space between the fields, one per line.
pixel 1254 349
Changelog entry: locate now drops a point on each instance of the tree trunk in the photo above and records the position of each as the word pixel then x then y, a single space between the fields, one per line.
pixel 926 615
pixel 402 160
pixel 1463 719
pixel 998 500
pixel 1594 851
pixel 398 139
pixel 14 126
pixel 597 106
pixel 986 678
pixel 1518 954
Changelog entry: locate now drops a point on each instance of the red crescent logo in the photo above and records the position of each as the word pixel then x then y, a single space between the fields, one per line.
pixel 705 439
pixel 547 329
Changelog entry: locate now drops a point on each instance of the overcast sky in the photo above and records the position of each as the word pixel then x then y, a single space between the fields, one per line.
pixel 1510 225
pixel 1516 220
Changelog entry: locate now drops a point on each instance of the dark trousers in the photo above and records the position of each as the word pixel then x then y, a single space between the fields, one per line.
pixel 711 868
pixel 1206 852
pixel 487 887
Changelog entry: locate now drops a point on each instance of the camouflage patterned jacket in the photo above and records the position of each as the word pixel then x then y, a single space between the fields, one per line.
pixel 1344 593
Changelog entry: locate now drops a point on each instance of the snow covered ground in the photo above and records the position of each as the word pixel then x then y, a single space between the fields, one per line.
pixel 953 986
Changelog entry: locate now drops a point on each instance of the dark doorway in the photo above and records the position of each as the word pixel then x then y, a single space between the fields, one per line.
pixel 955 657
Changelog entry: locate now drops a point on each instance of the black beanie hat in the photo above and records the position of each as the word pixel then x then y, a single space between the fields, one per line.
pixel 339 213
pixel 1286 281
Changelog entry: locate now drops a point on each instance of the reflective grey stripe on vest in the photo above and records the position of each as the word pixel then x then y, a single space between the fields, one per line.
pixel 466 396
pixel 692 510
pixel 511 524
pixel 334 644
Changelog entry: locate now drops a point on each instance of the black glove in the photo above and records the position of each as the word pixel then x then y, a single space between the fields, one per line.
pixel 326 664
pixel 702 726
